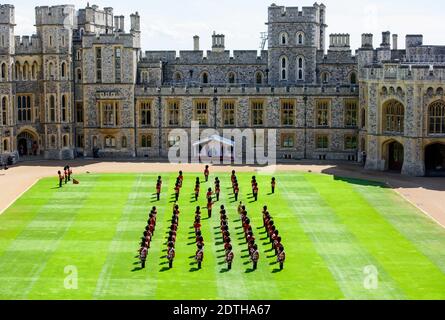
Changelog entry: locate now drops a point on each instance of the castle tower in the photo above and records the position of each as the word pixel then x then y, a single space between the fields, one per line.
pixel 7 51
pixel 295 36
pixel 55 29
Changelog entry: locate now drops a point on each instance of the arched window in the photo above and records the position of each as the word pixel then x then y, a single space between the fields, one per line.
pixel 325 77
pixel 64 108
pixel 300 38
pixel 283 38
pixel 3 72
pixel 4 111
pixel 65 141
pixel 283 68
pixel 79 74
pixel 25 71
pixel 231 77
pixel 205 78
pixel 124 142
pixel 353 78
pixel 52 109
pixel 17 71
pixel 53 141
pixel 5 145
pixel 51 71
pixel 436 114
pixel 259 77
pixel 63 70
pixel 34 71
pixel 394 117
pixel 300 68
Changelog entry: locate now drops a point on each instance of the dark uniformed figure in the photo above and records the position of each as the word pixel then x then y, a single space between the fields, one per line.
pixel 229 257
pixel 255 191
pixel 207 173
pixel 60 178
pixel 273 185
pixel 255 256
pixel 236 191
pixel 281 257
pixel 143 256
pixel 199 256
pixel 65 171
pixel 217 190
pixel 171 256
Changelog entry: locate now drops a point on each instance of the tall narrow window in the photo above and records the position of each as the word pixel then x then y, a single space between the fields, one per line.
pixel 124 142
pixel 79 112
pixel 117 64
pixel 300 38
pixel 231 78
pixel 98 64
pixel 63 70
pixel 4 111
pixel 25 71
pixel 229 113
pixel 283 65
pixel 144 77
pixel 283 38
pixel 353 78
pixel 201 112
pixel 50 40
pixel 3 72
pixel 322 113
pixel 300 68
pixel 287 113
pixel 64 108
pixel 257 113
pixel 34 71
pixel 24 108
pixel 259 78
pixel 351 113
pixel 173 113
pixel 205 78
pixel 145 113
pixel 436 112
pixel 394 117
pixel 52 109
pixel 51 75
pixel 79 75
pixel 3 41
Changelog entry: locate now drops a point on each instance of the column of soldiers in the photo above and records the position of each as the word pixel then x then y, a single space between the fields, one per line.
pixel 199 256
pixel 65 176
pixel 274 237
pixel 250 238
pixel 171 241
pixel 235 185
pixel 147 236
pixel 226 238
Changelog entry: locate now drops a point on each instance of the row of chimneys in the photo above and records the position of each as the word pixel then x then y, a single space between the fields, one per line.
pixel 367 40
pixel 218 42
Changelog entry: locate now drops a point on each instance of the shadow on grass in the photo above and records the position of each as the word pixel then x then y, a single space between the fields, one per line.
pixel 224 270
pixel 250 270
pixel 276 270
pixel 193 270
pixel 137 269
pixel 164 269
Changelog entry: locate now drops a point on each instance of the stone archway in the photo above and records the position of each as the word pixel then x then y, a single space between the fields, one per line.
pixel 27 144
pixel 393 154
pixel 435 159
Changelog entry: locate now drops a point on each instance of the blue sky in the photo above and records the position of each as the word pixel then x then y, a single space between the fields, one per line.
pixel 171 24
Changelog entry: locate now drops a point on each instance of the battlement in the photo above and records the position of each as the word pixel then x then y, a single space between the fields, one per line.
pixel 124 39
pixel 92 17
pixel 339 41
pixel 26 44
pixel 294 14
pixel 212 57
pixel 7 14
pixel 55 15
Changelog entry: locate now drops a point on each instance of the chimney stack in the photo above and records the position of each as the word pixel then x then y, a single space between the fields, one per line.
pixel 386 42
pixel 196 43
pixel 395 38
pixel 116 23
pixel 122 23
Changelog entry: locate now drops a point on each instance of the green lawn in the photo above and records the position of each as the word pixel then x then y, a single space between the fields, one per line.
pixel 332 230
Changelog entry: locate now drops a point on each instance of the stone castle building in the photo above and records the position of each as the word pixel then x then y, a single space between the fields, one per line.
pixel 82 87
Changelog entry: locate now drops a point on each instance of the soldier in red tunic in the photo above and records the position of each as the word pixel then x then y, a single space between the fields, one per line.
pixel 255 191
pixel 209 208
pixel 143 256
pixel 236 191
pixel 273 185
pixel 199 256
pixel 229 257
pixel 60 178
pixel 281 257
pixel 207 173
pixel 255 256
pixel 171 256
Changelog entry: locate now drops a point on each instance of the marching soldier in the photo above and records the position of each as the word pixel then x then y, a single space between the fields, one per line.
pixel 177 190
pixel 273 185
pixel 171 256
pixel 207 173
pixel 281 257
pixel 209 208
pixel 209 195
pixel 143 256
pixel 229 257
pixel 236 191
pixel 199 256
pixel 255 191
pixel 217 190
pixel 158 191
pixel 197 188
pixel 255 257
pixel 60 178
